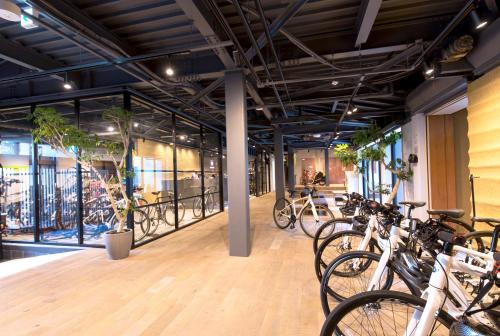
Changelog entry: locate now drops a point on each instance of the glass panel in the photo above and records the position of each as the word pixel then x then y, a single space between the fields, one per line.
pixel 386 183
pixel 16 187
pixel 210 139
pixel 154 186
pixel 189 184
pixel 398 154
pixel 187 133
pixel 251 175
pixel 98 216
pixel 212 175
pixel 57 187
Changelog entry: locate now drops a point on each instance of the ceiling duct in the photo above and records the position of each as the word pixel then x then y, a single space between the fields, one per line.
pixel 458 49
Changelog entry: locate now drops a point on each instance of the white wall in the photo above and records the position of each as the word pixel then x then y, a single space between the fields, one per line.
pixel 272 168
pixel 415 142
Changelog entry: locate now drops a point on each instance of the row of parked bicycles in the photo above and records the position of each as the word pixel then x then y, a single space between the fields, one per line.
pixel 383 271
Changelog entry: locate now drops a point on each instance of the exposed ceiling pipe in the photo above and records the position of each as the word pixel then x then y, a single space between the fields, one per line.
pixel 257 49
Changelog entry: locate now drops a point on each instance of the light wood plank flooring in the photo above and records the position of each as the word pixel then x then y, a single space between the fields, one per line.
pixel 183 284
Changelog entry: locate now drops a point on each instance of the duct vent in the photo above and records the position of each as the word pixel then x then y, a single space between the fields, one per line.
pixel 458 49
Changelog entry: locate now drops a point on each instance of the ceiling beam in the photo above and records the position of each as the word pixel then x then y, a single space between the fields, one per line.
pixel 25 57
pixel 366 18
pixel 275 26
pixel 321 128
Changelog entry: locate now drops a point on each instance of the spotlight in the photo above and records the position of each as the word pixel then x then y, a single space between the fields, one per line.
pixel 136 124
pixel 182 137
pixel 335 82
pixel 349 112
pixel 67 86
pixel 318 135
pixel 188 140
pixel 259 108
pixel 169 71
pixel 336 138
pixel 428 69
pixel 111 129
pixel 355 109
pixel 478 22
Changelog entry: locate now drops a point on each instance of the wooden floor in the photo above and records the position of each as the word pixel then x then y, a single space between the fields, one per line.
pixel 183 284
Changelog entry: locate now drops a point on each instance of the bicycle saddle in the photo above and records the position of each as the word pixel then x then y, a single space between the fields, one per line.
pixel 453 213
pixel 413 204
pixel 156 193
pixel 486 220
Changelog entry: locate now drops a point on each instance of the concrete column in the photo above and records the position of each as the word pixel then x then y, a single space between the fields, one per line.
pixel 237 164
pixel 327 166
pixel 279 169
pixel 291 168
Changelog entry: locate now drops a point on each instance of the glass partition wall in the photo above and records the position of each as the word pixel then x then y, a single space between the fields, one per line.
pixel 46 197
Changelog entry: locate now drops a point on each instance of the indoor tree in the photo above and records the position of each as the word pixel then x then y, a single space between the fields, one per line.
pixel 52 128
pixel 370 145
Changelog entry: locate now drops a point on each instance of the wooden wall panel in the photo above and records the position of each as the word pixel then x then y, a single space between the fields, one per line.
pixel 441 156
pixel 484 138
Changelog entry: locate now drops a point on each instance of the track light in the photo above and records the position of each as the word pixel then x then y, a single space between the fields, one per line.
pixel 428 69
pixel 169 71
pixel 355 109
pixel 477 21
pixel 335 82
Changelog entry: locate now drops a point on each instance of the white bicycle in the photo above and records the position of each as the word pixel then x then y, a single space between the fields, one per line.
pixel 444 302
pixel 311 215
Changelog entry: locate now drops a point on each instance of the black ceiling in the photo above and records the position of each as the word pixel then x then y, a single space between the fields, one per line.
pixel 373 49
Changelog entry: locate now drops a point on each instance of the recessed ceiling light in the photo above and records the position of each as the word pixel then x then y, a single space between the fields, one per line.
pixel 478 23
pixel 169 71
pixel 335 82
pixel 111 129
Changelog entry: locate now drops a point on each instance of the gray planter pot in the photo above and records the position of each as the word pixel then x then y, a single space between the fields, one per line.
pixel 118 245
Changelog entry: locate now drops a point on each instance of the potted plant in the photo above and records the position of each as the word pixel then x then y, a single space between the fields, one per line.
pixel 370 145
pixel 55 130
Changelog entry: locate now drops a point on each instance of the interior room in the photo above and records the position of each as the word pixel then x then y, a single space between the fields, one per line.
pixel 250 167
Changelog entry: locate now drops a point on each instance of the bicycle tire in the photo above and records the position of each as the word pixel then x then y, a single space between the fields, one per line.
pixel 373 300
pixel 169 209
pixel 197 206
pixel 181 211
pixel 209 204
pixel 154 220
pixel 327 290
pixel 281 205
pixel 330 244
pixel 141 225
pixel 318 235
pixel 319 209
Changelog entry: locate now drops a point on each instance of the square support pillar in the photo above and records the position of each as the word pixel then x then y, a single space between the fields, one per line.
pixel 279 169
pixel 327 167
pixel 237 164
pixel 291 168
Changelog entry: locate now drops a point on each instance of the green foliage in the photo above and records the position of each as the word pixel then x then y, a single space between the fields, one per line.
pixel 346 155
pixel 383 189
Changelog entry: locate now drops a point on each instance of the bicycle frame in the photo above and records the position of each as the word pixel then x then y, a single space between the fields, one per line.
pixel 309 200
pixel 422 322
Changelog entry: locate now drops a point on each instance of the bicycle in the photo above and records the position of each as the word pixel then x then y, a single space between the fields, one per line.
pixel 162 210
pixel 424 315
pixel 209 203
pixel 311 215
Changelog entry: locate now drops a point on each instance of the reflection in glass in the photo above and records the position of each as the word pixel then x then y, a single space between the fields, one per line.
pixel 16 206
pixel 58 196
pixel 189 183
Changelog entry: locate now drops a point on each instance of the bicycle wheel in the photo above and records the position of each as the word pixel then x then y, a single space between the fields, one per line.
pixel 181 211
pixel 380 312
pixel 309 224
pixel 197 208
pixel 209 205
pixel 282 213
pixel 335 245
pixel 141 224
pixel 169 213
pixel 351 273
pixel 154 217
pixel 329 228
